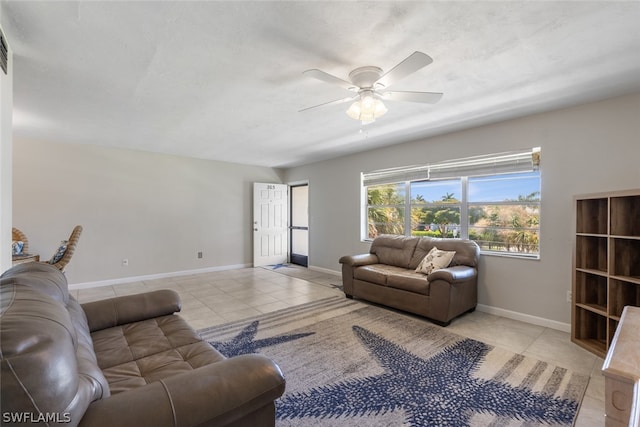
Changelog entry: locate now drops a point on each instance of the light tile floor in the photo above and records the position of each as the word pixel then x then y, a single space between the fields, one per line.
pixel 210 299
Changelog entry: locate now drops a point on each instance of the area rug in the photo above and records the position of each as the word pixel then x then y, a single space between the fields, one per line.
pixel 351 364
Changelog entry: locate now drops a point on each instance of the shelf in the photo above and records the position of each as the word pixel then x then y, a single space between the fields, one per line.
pixel 606 276
pixel 594 346
pixel 628 279
pixel 590 330
pixel 590 325
pixel 591 290
pixel 594 272
pixel 591 253
pixel 613 325
pixel 592 216
pixel 625 215
pixel 622 294
pixel 592 235
pixel 615 236
pixel 626 261
pixel 600 310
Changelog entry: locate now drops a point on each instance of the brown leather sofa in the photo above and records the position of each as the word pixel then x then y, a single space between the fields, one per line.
pixel 386 275
pixel 126 361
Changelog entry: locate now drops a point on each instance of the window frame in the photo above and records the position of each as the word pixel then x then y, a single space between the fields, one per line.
pixel 464 204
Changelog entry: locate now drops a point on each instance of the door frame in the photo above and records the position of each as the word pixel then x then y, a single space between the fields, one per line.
pixel 302 260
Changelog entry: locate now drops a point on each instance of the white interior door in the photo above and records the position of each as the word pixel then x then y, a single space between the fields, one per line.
pixel 270 228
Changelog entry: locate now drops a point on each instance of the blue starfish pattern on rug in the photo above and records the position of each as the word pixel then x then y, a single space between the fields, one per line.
pixel 277 266
pixel 245 342
pixel 436 391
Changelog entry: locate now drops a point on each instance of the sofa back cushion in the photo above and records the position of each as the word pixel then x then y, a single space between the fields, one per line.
pixel 47 361
pixel 467 251
pixel 394 250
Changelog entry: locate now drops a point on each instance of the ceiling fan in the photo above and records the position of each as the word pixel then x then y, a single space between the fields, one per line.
pixel 370 86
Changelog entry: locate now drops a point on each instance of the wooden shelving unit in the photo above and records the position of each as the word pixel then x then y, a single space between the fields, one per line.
pixel 606 266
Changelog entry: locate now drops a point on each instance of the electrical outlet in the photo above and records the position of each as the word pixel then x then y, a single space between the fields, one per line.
pixel 125 262
pixel 199 254
pixel 569 296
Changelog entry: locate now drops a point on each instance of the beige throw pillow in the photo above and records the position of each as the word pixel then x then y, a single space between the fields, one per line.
pixel 434 260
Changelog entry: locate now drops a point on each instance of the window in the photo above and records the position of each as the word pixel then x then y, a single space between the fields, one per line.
pixel 493 200
pixel 435 208
pixel 386 208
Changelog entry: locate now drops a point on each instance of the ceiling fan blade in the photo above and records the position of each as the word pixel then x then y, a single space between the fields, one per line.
pixel 337 101
pixel 328 78
pixel 410 65
pixel 424 97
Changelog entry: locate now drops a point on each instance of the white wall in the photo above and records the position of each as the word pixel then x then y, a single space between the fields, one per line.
pixel 159 211
pixel 155 210
pixel 589 148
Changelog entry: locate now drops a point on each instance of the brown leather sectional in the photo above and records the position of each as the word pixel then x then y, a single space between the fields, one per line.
pixel 386 275
pixel 126 361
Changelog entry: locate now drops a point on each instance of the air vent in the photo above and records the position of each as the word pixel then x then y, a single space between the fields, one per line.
pixel 4 52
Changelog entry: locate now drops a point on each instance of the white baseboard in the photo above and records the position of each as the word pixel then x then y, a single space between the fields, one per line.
pixel 325 270
pixel 535 320
pixel 122 280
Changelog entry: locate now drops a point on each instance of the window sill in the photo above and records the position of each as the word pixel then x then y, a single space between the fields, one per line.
pixel 533 257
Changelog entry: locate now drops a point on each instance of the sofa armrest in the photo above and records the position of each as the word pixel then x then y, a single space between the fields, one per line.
pixel 131 308
pixel 349 264
pixel 216 394
pixel 453 274
pixel 358 260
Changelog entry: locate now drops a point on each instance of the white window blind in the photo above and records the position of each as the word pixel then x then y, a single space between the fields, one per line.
pixel 389 176
pixel 494 164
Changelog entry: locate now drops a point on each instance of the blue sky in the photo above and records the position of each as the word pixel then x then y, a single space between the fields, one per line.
pixel 481 189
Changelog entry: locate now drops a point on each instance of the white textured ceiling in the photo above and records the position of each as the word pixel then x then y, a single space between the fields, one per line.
pixel 223 80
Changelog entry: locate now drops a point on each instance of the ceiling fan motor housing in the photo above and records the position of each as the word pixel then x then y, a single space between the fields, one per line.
pixel 365 77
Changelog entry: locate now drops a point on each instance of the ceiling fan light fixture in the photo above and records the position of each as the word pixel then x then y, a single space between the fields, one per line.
pixel 368 103
pixel 367 109
pixel 367 118
pixel 380 109
pixel 354 110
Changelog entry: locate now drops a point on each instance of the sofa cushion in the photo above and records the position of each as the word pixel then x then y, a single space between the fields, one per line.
pixel 87 362
pixel 467 251
pixel 409 281
pixel 376 273
pixel 435 260
pixel 40 277
pixel 135 354
pixel 47 364
pixel 394 250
